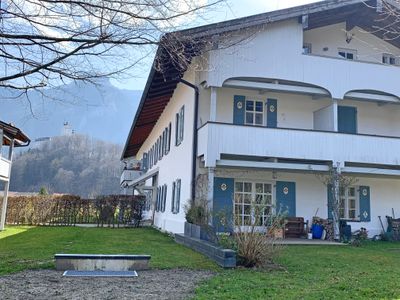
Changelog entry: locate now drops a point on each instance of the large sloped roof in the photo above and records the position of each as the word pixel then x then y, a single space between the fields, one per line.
pixel 162 82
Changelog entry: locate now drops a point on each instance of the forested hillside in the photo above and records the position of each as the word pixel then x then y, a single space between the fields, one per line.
pixel 74 164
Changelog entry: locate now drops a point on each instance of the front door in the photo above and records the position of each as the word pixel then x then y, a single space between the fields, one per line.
pixel 286 198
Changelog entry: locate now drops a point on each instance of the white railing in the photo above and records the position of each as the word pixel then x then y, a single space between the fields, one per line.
pixel 219 138
pixel 129 175
pixel 4 167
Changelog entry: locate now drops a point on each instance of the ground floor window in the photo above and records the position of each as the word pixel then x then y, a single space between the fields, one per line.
pixel 348 208
pixel 253 202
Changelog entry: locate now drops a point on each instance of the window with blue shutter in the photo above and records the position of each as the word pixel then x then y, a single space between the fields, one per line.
pixel 238 109
pixel 347 119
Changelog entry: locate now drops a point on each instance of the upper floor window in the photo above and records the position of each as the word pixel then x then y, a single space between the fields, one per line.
pixel 307 48
pixel 179 129
pixel 254 112
pixel 348 208
pixel 389 59
pixel 347 53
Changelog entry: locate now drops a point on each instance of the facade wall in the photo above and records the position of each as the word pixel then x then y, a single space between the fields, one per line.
pixel 275 52
pixel 294 111
pixel 311 194
pixel 376 119
pixel 177 163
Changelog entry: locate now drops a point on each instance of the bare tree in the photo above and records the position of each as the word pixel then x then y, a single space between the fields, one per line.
pixel 48 42
pixel 335 181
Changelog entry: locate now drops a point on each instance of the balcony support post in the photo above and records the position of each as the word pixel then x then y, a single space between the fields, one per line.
pixel 210 191
pixel 335 114
pixel 213 104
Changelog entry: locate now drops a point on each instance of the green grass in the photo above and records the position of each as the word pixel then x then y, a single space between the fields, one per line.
pixel 34 247
pixel 311 272
pixel 316 272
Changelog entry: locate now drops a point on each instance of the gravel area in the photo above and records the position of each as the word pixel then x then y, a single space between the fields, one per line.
pixel 151 284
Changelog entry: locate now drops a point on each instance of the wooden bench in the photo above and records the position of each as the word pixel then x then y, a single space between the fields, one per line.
pixel 295 227
pixel 96 262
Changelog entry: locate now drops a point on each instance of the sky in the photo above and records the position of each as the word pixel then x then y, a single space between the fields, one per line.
pixel 230 10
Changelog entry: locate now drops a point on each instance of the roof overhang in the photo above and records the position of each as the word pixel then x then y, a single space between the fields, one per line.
pixel 10 132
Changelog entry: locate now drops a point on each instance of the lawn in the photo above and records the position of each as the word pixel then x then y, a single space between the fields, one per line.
pixel 311 272
pixel 34 247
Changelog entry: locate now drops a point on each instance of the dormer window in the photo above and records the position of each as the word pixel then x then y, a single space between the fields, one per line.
pixel 389 59
pixel 349 54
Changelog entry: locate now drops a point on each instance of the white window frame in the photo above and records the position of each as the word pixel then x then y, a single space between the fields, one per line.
pixel 176 196
pixel 388 57
pixel 346 197
pixel 346 52
pixel 179 126
pixel 252 194
pixel 254 112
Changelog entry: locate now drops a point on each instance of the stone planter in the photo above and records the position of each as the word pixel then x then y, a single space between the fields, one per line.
pixel 197 232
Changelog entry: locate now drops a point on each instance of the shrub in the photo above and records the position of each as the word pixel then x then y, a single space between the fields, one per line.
pixel 196 213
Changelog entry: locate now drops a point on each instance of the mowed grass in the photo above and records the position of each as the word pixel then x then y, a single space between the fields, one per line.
pixel 34 247
pixel 316 272
pixel 310 272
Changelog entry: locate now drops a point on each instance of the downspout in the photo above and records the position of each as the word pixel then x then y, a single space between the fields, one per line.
pixel 194 141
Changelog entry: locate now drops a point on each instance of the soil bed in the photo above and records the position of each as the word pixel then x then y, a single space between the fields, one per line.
pixel 151 284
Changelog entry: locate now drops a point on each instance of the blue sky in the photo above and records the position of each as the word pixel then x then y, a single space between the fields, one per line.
pixel 230 10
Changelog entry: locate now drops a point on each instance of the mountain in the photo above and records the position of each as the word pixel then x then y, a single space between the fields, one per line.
pixel 99 110
pixel 75 164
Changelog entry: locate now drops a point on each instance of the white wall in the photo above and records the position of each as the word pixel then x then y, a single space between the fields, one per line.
pixel 375 119
pixel 369 47
pixel 177 163
pixel 311 194
pixel 324 118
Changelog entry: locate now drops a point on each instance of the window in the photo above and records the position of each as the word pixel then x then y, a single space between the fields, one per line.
pixel 347 53
pixel 252 200
pixel 348 206
pixel 180 120
pixel 168 139
pixel 163 198
pixel 158 199
pixel 254 112
pixel 176 196
pixel 389 59
pixel 307 48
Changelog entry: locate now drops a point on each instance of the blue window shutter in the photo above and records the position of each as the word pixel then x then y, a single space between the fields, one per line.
pixel 365 205
pixel 330 201
pixel 223 204
pixel 286 197
pixel 347 119
pixel 238 109
pixel 145 162
pixel 272 113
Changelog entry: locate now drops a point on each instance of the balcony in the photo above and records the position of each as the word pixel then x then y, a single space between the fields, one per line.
pixel 129 175
pixel 220 138
pixel 4 168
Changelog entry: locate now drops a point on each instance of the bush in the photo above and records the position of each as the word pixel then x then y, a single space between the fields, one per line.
pixel 196 213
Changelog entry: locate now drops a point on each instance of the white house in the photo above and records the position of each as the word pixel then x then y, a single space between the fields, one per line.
pixel 10 137
pixel 265 104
